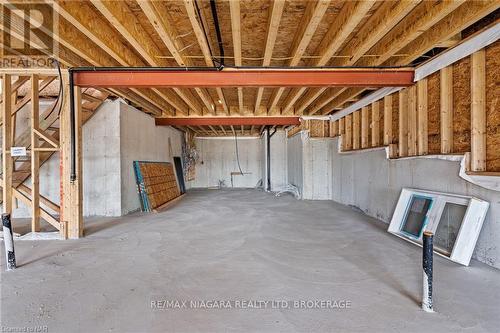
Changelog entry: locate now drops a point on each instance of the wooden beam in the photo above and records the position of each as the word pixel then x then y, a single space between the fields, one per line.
pixel 377 26
pixel 35 156
pixel 234 9
pixel 125 22
pixel 375 124
pixel 167 32
pixel 364 127
pixel 449 26
pixel 478 111
pixel 388 139
pixel 213 130
pixel 403 123
pixel 309 23
pixel 72 39
pixel 346 21
pixel 71 215
pixel 419 20
pixel 7 164
pixel 203 43
pixel 412 120
pixel 422 116
pixel 276 11
pixel 446 111
pixel 356 132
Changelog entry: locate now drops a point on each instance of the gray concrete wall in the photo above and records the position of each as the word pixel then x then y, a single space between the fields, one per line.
pixel 217 159
pixel 141 140
pixel 101 162
pixel 371 182
pixel 114 137
pixel 279 163
pixel 295 162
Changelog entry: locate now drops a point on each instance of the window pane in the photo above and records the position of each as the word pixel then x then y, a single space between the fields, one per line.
pixel 416 215
pixel 449 226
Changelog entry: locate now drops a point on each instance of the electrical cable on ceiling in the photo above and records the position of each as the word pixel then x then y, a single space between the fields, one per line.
pixel 237 154
pixel 218 34
pixel 216 62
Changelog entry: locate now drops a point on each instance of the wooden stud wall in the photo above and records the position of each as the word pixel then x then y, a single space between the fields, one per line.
pixel 453 111
pixel 493 108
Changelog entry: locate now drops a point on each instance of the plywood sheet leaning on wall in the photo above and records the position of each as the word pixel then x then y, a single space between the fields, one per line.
pixel 493 107
pixel 157 184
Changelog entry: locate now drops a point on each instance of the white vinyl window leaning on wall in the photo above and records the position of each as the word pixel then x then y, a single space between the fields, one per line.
pixel 455 221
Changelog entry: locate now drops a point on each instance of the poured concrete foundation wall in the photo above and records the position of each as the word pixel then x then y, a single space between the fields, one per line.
pixel 115 136
pixel 371 182
pixel 217 159
pixel 278 160
pixel 309 166
pixel 101 162
pixel 142 140
pixel 295 163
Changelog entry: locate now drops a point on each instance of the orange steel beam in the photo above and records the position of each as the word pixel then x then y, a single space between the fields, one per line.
pixel 228 121
pixel 148 78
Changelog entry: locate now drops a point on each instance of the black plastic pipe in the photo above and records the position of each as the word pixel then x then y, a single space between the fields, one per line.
pixel 72 118
pixel 427 247
pixel 268 156
pixel 213 7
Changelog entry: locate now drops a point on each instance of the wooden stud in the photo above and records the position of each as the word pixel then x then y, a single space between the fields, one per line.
pixel 422 134
pixel 412 120
pixel 403 123
pixel 478 111
pixel 375 124
pixel 446 90
pixel 341 126
pixel 388 120
pixel 364 127
pixel 35 156
pixel 356 131
pixel 347 143
pixel 71 191
pixel 334 128
pixel 7 163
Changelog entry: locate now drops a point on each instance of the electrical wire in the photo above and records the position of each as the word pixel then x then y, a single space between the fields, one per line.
pixel 237 154
pixel 60 95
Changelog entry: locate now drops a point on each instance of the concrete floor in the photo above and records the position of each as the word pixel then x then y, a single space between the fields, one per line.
pixel 241 245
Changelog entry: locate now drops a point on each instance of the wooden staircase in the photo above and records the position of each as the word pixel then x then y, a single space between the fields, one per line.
pixel 48 131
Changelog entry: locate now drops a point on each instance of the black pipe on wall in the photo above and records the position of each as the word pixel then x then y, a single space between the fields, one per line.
pixel 269 135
